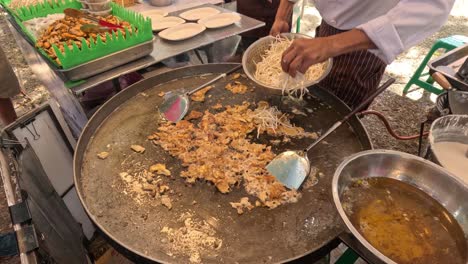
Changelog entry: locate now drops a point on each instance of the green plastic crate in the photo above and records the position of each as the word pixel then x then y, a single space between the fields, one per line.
pixel 75 56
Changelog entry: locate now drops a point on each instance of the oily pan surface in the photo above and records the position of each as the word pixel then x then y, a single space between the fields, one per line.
pixel 262 235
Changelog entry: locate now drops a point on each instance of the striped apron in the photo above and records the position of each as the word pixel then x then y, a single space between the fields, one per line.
pixel 354 75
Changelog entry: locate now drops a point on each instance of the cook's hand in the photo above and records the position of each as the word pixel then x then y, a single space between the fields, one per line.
pixel 279 26
pixel 305 52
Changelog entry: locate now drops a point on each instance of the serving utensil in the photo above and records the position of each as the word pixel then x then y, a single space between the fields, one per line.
pixel 292 167
pixel 441 80
pixel 71 12
pixel 93 28
pixel 175 106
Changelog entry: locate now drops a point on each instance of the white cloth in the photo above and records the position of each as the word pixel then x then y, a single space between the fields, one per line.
pixel 393 25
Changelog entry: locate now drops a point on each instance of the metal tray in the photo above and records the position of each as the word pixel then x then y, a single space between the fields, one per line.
pixel 453 60
pixel 99 65
pixel 107 62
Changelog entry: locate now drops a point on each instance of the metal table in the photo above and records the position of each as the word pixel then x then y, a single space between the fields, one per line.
pixel 166 49
pixel 176 6
pixel 66 97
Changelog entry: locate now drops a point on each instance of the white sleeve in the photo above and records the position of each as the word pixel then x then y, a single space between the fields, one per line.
pixel 405 25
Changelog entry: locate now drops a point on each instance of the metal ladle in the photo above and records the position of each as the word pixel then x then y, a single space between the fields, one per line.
pixel 175 106
pixel 292 167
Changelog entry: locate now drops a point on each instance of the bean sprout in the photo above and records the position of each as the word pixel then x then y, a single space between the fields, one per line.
pixel 269 118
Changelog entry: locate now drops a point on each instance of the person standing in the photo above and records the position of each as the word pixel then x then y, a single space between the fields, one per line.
pixel 9 87
pixel 362 36
pixel 263 10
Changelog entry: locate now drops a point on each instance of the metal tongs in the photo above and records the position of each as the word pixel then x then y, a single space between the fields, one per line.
pixel 292 167
pixel 175 106
pixel 92 28
pixel 101 26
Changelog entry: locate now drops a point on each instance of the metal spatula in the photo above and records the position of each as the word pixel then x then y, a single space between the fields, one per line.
pixel 292 167
pixel 175 106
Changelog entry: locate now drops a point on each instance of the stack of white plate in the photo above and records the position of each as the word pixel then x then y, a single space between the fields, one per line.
pixel 220 20
pixel 174 28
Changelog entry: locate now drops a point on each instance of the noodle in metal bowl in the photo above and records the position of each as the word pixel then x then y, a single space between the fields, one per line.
pixel 262 64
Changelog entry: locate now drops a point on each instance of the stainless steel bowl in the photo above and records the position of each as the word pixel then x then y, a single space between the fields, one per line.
pixel 422 174
pixel 161 2
pixel 447 130
pixel 254 55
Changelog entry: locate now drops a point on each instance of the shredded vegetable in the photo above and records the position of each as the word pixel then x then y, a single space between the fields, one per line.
pixel 267 117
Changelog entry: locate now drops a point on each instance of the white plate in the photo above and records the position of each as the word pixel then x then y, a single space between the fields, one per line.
pixel 154 14
pixel 220 20
pixel 181 32
pixel 158 24
pixel 199 13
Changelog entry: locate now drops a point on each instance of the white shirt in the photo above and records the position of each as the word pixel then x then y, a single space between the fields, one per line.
pixel 393 25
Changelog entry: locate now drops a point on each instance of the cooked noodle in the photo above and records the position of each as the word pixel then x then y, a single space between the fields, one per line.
pixel 269 71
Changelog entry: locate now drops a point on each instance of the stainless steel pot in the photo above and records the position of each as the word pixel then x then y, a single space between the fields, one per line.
pixel 424 175
pixel 161 2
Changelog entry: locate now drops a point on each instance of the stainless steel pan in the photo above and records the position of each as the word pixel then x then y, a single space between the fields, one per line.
pixel 283 234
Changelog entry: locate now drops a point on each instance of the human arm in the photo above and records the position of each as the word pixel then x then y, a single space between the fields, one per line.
pixel 305 52
pixel 404 25
pixel 281 24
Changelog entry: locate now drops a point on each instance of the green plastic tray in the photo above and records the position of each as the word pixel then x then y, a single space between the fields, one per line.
pixel 72 57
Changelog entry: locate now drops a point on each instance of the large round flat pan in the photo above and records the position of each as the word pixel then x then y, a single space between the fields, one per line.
pixel 262 235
